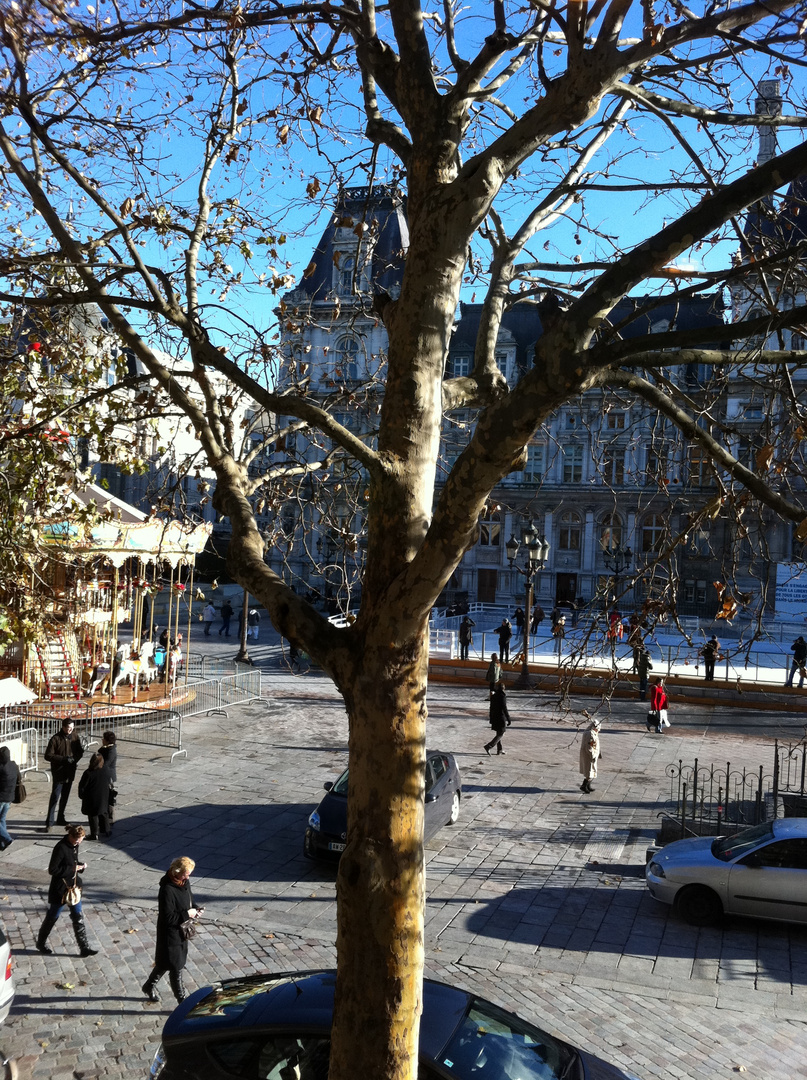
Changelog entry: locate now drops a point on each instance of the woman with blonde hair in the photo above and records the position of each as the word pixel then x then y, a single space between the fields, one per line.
pixel 175 912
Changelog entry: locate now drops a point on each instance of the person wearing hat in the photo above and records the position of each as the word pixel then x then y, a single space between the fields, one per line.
pixel 590 754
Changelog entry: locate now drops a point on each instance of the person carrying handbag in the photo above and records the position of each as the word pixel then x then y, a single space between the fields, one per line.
pixel 65 888
pixel 175 927
pixel 658 708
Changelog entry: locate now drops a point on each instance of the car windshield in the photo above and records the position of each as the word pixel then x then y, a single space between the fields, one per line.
pixel 493 1043
pixel 340 787
pixel 728 848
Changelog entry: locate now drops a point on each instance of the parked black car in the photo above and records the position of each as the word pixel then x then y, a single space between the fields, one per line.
pixel 326 834
pixel 278 1026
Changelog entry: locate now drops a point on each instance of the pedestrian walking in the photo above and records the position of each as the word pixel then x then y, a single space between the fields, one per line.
pixel 499 718
pixel 226 615
pixel 93 790
pixel 590 754
pixel 109 752
pixel 466 636
pixel 65 889
pixel 709 653
pixel 505 632
pixel 657 717
pixel 63 752
pixel 175 917
pixel 537 618
pixel 253 623
pixel 209 616
pixel 799 650
pixel 9 778
pixel 518 618
pixel 643 666
pixel 494 672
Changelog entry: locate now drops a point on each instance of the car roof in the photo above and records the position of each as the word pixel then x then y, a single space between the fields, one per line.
pixel 785 828
pixel 301 1001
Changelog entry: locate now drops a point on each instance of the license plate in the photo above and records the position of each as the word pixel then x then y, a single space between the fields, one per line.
pixel 336 847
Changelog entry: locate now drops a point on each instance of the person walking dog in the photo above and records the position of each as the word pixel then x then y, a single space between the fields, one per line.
pixel 499 718
pixel 65 888
pixel 175 917
pixel 590 754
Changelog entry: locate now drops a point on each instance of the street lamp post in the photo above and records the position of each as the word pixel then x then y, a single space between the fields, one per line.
pixel 537 551
pixel 617 559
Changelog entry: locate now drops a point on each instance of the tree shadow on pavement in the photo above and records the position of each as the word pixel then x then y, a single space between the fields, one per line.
pixel 607 919
pixel 230 841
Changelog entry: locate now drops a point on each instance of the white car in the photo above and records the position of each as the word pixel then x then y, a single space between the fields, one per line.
pixel 6 979
pixel 760 871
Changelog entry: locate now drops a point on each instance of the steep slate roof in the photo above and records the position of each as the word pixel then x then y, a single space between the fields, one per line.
pixel 522 322
pixel 383 208
pixel 767 226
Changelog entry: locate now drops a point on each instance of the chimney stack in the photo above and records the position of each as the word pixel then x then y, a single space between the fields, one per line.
pixel 768 103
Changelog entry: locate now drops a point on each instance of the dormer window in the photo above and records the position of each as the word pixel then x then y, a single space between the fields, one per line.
pixel 345 274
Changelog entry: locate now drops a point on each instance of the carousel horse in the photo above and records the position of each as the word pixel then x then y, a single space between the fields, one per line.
pixel 137 666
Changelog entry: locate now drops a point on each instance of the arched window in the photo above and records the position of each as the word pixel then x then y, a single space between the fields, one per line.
pixel 610 532
pixel 653 530
pixel 490 528
pixel 347 350
pixel 569 532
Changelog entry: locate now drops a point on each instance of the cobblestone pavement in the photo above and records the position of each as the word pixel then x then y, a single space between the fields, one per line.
pixel 536 897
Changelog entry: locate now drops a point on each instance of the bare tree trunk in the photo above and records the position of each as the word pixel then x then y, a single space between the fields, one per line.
pixel 381 882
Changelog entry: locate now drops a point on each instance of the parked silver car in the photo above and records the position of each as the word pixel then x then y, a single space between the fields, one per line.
pixel 6 978
pixel 760 871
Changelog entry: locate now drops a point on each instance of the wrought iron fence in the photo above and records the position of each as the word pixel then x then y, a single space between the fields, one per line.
pixel 711 799
pixel 790 777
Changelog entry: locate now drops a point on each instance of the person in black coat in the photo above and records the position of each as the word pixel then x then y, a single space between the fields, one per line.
pixel 109 752
pixel 93 789
pixel 64 869
pixel 174 907
pixel 9 775
pixel 63 752
pixel 499 717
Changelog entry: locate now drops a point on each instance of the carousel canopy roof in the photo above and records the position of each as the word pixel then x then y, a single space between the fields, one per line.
pixel 124 533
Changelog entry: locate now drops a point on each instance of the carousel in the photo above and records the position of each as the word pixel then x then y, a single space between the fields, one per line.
pixel 102 564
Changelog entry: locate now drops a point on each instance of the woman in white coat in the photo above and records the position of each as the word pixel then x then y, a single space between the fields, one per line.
pixel 590 754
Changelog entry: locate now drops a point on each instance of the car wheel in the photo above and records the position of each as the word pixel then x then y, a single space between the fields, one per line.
pixel 455 808
pixel 699 906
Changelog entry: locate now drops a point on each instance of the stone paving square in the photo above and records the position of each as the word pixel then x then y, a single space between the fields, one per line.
pixel 536 897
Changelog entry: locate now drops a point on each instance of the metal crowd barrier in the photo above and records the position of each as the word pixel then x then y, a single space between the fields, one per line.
pixel 23 744
pixel 239 689
pixel 137 723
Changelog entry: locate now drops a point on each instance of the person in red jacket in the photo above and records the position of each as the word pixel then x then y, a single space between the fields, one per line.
pixel 658 705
